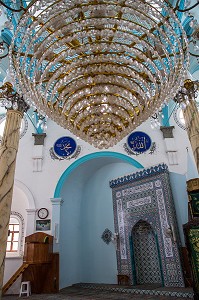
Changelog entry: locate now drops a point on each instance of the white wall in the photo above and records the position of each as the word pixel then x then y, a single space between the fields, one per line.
pixel 12 263
pixel 42 184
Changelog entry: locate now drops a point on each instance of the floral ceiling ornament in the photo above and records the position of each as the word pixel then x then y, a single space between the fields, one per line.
pixel 99 68
pixel 107 236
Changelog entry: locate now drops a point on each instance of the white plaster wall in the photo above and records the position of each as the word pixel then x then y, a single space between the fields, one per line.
pixel 11 265
pixel 19 205
pixel 42 184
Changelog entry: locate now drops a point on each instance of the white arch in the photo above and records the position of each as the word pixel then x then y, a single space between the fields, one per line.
pixel 27 192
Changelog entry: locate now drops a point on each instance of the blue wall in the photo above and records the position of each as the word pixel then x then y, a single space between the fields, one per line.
pixel 179 191
pixel 86 212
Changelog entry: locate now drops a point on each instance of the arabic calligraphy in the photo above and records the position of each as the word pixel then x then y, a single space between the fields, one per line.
pixel 65 146
pixel 139 142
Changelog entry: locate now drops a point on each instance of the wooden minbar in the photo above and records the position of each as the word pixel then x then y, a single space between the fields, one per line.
pixel 40 265
pixel 43 270
pixel 38 248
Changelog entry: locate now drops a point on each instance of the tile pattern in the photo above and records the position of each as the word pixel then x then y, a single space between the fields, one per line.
pixel 147 196
pixel 138 175
pixel 146 254
pixel 141 290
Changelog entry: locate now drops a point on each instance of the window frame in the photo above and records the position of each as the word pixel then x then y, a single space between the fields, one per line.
pixel 11 234
pixel 20 220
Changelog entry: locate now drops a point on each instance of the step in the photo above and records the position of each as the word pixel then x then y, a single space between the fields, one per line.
pixel 140 290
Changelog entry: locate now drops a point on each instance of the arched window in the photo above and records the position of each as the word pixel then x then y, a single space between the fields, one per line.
pixel 15 239
pixel 13 236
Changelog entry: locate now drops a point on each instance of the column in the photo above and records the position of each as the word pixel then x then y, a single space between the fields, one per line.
pixel 8 152
pixel 56 209
pixel 30 228
pixel 191 116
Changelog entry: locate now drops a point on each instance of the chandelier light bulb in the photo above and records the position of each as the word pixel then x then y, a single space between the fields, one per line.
pixel 99 68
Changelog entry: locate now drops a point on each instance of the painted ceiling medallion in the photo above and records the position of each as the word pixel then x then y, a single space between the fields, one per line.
pixel 65 148
pixel 139 142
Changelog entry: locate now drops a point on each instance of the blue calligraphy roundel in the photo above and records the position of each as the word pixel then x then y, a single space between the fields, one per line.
pixel 64 146
pixel 139 142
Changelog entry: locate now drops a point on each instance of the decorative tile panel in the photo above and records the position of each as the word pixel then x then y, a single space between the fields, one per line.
pixel 121 229
pixel 146 196
pixel 138 189
pixel 139 202
pixel 146 254
pixel 164 223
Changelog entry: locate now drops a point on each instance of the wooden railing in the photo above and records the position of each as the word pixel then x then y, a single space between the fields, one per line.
pixel 14 277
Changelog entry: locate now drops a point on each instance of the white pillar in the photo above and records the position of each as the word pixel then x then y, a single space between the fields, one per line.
pixel 56 208
pixel 8 153
pixel 30 228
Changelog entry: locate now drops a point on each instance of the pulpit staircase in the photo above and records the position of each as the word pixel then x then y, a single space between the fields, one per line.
pixel 39 262
pixel 14 277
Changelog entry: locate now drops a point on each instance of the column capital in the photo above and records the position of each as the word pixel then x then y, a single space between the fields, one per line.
pixel 57 201
pixel 39 138
pixel 167 131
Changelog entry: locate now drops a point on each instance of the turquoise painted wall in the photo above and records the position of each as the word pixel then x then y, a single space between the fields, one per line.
pixel 86 212
pixel 70 244
pixel 178 185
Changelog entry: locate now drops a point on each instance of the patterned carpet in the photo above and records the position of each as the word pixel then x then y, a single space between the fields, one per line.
pixel 78 293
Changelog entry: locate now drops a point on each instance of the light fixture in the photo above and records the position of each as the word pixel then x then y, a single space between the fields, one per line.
pixel 99 68
pixel 4 48
pixel 11 3
pixel 10 99
pixel 188 6
pixel 188 92
pixel 155 119
pixel 195 41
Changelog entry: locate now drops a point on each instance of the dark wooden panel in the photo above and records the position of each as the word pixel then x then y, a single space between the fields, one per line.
pixel 51 284
pixel 44 278
pixel 186 267
pixel 37 253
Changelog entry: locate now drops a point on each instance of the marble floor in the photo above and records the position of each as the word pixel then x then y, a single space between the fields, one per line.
pixel 79 293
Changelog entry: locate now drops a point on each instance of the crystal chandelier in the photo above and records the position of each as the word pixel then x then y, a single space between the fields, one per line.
pixel 96 67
